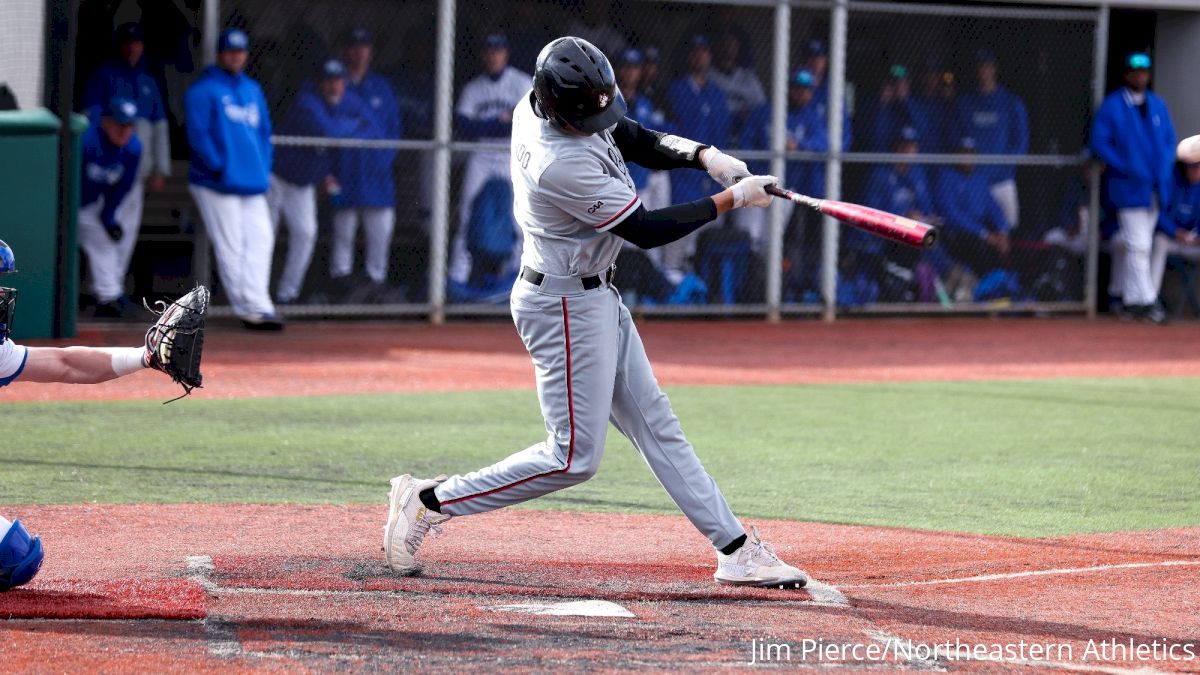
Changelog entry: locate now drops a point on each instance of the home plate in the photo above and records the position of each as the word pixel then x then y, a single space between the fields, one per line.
pixel 575 608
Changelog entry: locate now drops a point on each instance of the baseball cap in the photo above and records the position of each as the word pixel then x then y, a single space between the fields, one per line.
pixel 128 32
pixel 802 78
pixel 496 41
pixel 331 68
pixel 967 143
pixel 898 72
pixel 652 54
pixel 122 110
pixel 815 48
pixel 985 56
pixel 1138 61
pixel 358 36
pixel 699 40
pixel 630 57
pixel 906 135
pixel 233 40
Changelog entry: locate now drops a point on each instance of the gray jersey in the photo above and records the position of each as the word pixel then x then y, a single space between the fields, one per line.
pixel 568 192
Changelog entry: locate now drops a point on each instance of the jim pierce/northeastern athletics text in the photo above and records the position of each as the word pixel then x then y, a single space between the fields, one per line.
pixel 896 649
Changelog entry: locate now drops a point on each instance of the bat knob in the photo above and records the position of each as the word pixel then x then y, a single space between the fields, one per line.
pixel 930 239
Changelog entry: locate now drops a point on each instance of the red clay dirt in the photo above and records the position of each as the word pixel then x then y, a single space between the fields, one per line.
pixel 304 588
pixel 353 358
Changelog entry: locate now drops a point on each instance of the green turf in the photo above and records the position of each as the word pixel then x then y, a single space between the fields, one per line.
pixel 1024 458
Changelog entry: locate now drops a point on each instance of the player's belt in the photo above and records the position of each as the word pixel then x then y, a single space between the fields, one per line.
pixel 536 278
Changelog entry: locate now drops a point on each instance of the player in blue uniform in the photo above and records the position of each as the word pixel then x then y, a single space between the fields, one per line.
pixel 975 231
pixel 110 153
pixel 368 185
pixel 895 109
pixel 935 104
pixel 996 119
pixel 322 109
pixel 1178 231
pixel 697 108
pixel 899 188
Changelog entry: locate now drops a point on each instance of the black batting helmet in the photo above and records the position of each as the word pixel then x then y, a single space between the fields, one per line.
pixel 574 84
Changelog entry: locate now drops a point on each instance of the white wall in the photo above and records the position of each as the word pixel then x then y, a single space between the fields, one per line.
pixel 23 50
pixel 1177 70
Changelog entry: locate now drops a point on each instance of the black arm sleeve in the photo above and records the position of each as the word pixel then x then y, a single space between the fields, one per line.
pixel 649 229
pixel 655 149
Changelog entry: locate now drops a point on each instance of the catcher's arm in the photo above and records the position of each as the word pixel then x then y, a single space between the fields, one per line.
pixel 175 343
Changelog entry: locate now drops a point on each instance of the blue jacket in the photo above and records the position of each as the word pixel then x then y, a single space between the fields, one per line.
pixel 310 115
pixel 701 115
pixel 229 129
pixel 108 171
pixel 966 202
pixel 642 110
pixel 809 128
pixel 1184 213
pixel 366 175
pixel 882 122
pixel 1000 126
pixel 117 77
pixel 1138 150
pixel 936 127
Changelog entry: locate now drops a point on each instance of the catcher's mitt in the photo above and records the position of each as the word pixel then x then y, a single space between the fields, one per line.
pixel 175 342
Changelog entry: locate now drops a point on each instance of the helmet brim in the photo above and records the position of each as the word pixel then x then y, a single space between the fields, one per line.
pixel 605 118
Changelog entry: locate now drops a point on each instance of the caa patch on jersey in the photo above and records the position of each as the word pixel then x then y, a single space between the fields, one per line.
pixel 12 361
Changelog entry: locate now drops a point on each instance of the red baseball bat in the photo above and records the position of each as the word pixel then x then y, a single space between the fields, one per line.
pixel 887 225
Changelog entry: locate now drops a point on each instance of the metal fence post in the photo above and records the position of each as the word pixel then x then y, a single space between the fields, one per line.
pixel 440 213
pixel 1100 70
pixel 833 166
pixel 212 26
pixel 779 75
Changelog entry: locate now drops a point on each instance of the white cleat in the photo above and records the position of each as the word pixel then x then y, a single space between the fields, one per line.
pixel 408 522
pixel 755 564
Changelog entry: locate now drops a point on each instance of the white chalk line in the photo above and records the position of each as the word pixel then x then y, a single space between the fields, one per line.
pixel 221 638
pixel 1031 573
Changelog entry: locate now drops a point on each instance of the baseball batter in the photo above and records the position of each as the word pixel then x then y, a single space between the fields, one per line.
pixel 20 553
pixel 575 201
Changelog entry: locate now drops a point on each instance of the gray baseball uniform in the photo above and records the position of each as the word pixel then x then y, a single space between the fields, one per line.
pixel 590 363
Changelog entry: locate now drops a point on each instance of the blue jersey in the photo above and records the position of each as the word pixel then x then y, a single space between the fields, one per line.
pixel 642 110
pixel 310 115
pixel 118 78
pixel 1184 213
pixel 882 123
pixel 366 175
pixel 966 202
pixel 702 115
pixel 229 129
pixel 936 114
pixel 108 171
pixel 1000 126
pixel 894 192
pixel 1137 145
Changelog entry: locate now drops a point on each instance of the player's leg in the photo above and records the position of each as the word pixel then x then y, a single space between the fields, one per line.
pixel 378 224
pixel 474 177
pixel 1159 250
pixel 82 365
pixel 258 246
pixel 222 218
pixel 1005 194
pixel 341 256
pixel 571 343
pixel 300 210
pixel 102 255
pixel 641 411
pixel 1116 271
pixel 1137 230
pixel 129 214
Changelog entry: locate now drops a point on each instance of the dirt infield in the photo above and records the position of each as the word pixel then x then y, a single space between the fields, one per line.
pixel 300 588
pixel 350 358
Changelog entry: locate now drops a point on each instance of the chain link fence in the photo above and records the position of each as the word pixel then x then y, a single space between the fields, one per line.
pixel 972 117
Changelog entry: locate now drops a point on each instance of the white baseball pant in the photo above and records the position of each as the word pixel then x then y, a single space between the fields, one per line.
pixel 108 260
pixel 378 223
pixel 297 204
pixel 1137 233
pixel 1164 246
pixel 1005 194
pixel 591 369
pixel 239 227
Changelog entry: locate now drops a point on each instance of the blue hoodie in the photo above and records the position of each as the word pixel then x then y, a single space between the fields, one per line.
pixel 1184 213
pixel 118 78
pixel 108 171
pixel 966 202
pixel 366 175
pixel 889 190
pixel 310 115
pixel 1138 149
pixel 229 129
pixel 1000 126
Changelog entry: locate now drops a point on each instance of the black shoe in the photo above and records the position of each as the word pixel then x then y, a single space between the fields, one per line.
pixel 1154 314
pixel 109 310
pixel 268 322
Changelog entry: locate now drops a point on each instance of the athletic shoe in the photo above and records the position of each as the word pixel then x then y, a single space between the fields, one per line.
pixel 1155 314
pixel 755 564
pixel 408 522
pixel 270 322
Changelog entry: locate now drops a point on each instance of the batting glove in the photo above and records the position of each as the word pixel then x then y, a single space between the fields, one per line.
pixel 752 191
pixel 723 168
